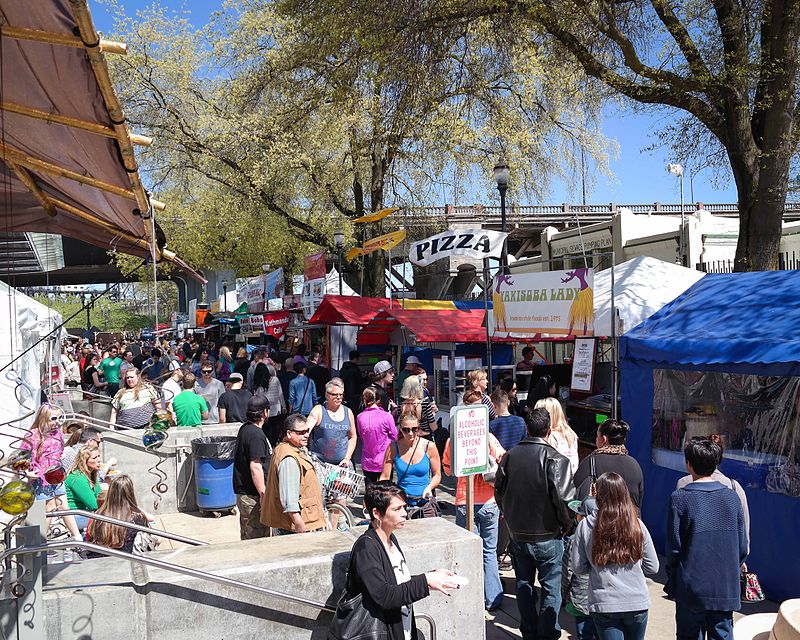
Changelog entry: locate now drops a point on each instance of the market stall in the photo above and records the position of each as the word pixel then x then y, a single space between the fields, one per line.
pixel 724 357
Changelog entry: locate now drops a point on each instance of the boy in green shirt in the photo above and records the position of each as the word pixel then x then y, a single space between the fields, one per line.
pixel 190 408
pixel 109 367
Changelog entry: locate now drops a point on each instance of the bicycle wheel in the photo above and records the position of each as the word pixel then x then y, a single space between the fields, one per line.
pixel 343 512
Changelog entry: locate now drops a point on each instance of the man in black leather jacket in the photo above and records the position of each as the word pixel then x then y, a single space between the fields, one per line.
pixel 533 488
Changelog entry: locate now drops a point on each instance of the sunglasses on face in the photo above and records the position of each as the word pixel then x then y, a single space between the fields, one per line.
pixel 300 432
pixel 410 429
pixel 335 395
pixel 207 373
pixel 54 418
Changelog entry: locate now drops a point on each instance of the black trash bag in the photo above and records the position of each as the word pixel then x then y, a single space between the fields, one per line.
pixel 214 447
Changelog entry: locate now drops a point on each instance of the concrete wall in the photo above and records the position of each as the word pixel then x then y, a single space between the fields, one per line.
pixel 95 599
pixel 176 465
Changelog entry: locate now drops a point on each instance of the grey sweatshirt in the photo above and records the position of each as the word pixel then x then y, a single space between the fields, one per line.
pixel 613 588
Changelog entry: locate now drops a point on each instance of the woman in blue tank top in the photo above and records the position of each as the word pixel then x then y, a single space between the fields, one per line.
pixel 416 463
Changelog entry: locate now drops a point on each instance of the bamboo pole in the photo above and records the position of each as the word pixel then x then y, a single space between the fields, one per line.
pixel 65 39
pixel 83 19
pixel 69 121
pixel 27 179
pixel 21 158
pixel 97 222
pixel 29 162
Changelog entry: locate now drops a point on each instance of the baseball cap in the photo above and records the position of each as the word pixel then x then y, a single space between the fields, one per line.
pixel 236 377
pixel 381 367
pixel 257 404
pixel 412 360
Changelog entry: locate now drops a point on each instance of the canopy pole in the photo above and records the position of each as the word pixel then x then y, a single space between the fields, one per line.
pixel 488 330
pixel 614 348
pixel 155 269
pixel 64 39
pixel 69 121
pixel 27 179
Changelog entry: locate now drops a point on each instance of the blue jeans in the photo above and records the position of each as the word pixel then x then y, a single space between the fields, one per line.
pixel 486 517
pixel 584 628
pixel 696 625
pixel 538 621
pixel 623 625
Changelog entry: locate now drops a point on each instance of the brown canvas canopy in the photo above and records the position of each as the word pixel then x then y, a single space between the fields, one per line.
pixel 66 155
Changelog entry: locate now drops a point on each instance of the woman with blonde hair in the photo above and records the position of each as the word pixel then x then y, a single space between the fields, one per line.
pixel 120 503
pixel 45 441
pixel 83 483
pixel 134 403
pixel 224 365
pixel 477 380
pixel 562 438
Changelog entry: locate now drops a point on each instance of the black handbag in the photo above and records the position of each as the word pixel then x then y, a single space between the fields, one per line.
pixel 352 621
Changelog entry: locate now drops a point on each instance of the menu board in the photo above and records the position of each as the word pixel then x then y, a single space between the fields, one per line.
pixel 583 365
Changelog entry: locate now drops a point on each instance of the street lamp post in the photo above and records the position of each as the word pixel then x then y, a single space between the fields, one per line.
pixel 224 296
pixel 677 170
pixel 338 239
pixel 501 172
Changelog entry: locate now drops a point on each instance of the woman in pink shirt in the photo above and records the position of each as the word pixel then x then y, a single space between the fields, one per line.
pixel 377 430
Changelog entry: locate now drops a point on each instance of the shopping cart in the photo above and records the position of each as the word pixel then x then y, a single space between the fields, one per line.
pixel 338 485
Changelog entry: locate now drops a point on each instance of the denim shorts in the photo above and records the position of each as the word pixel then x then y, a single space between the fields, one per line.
pixel 46 491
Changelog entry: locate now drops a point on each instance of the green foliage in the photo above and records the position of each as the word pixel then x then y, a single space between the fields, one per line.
pixel 285 119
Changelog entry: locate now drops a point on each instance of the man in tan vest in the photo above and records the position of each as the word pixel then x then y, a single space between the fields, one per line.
pixel 292 502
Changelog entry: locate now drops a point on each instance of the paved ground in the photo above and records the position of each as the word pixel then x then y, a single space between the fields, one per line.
pixel 500 625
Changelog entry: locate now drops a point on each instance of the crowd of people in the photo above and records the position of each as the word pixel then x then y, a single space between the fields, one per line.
pixel 582 540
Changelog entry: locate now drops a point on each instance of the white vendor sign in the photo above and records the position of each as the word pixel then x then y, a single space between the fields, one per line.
pixel 472 243
pixel 469 439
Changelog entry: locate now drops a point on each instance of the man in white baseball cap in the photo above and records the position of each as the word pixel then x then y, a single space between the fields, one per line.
pixel 412 364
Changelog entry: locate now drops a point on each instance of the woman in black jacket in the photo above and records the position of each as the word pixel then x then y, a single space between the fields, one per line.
pixel 378 569
pixel 610 456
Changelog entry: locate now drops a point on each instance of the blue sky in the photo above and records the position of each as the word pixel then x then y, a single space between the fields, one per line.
pixel 639 177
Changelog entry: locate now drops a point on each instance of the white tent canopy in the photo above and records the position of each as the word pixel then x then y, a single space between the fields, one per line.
pixel 23 322
pixel 641 287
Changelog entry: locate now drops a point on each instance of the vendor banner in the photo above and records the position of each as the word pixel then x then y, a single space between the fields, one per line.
pixel 472 243
pixel 378 215
pixel 311 298
pixel 273 287
pixel 275 324
pixel 252 323
pixel 386 242
pixel 558 303
pixel 314 266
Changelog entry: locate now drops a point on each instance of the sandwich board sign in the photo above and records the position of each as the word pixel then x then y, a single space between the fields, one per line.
pixel 469 439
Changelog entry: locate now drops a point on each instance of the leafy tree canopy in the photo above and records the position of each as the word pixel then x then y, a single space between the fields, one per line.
pixel 283 120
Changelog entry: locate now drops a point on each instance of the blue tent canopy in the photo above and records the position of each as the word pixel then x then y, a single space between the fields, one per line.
pixel 736 320
pixel 737 323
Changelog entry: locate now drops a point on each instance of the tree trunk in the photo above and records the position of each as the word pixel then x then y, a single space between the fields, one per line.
pixel 762 196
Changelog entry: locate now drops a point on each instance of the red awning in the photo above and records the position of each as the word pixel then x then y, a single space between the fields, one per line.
pixel 352 310
pixel 427 325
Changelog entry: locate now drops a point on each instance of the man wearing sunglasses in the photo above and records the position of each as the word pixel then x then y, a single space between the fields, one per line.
pixel 292 502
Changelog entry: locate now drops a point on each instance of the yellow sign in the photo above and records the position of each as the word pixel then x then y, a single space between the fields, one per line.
pixel 378 215
pixel 386 242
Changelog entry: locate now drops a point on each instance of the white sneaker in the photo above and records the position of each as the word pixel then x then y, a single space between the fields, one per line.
pixel 68 555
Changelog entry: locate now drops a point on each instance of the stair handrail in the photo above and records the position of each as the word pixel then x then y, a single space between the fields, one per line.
pixel 169 566
pixel 130 525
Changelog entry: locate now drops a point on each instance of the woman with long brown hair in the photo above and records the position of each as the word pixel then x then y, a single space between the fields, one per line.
pixel 120 503
pixel 614 547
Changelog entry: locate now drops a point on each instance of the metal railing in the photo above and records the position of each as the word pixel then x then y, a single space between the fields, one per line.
pixel 168 566
pixel 130 525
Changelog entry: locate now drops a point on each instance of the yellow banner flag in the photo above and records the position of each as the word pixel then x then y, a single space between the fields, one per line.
pixel 378 215
pixel 386 242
